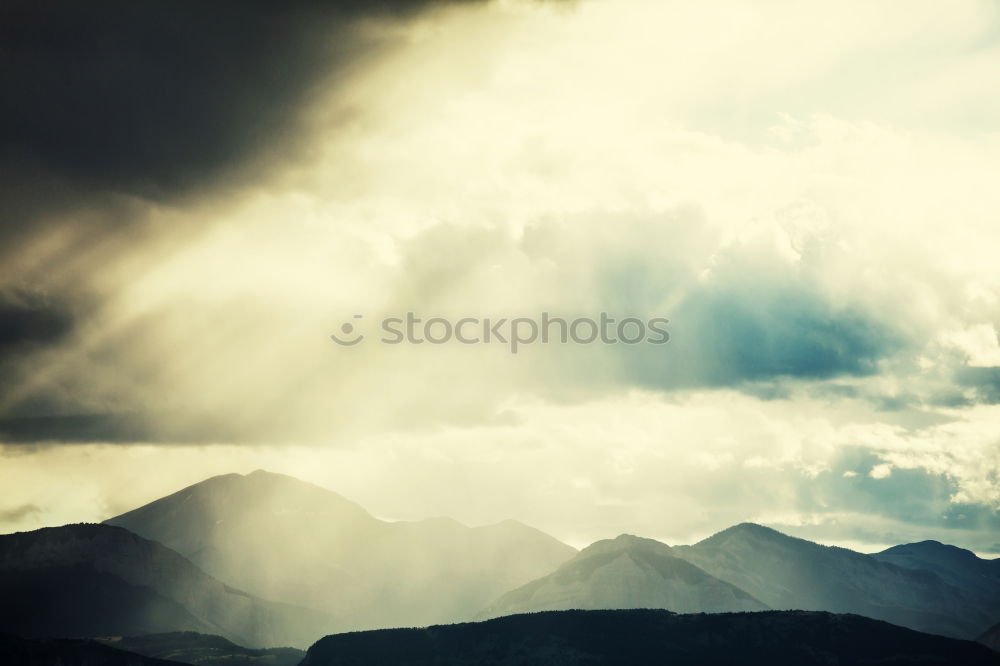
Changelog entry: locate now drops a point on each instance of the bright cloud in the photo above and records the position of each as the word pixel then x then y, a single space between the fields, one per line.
pixel 806 192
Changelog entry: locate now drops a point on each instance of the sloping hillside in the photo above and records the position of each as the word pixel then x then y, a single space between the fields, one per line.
pixel 67 652
pixel 627 572
pixel 203 650
pixel 632 637
pixel 98 580
pixel 789 573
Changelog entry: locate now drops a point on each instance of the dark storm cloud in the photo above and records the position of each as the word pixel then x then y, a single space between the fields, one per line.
pixel 754 332
pixel 151 426
pixel 111 108
pixel 751 333
pixel 741 315
pixel 85 428
pixel 753 322
pixel 29 324
pixel 77 428
pixel 156 99
pixel 27 319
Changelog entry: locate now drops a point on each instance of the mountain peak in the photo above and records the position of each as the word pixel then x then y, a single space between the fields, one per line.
pixel 746 531
pixel 957 566
pixel 634 540
pixel 206 512
pixel 625 543
pixel 753 528
pixel 230 492
pixel 264 473
pixel 933 547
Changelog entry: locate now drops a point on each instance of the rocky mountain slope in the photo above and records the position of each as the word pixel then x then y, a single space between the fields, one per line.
pixel 99 580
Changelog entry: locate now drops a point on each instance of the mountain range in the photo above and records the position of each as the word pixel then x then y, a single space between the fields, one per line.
pixel 927 586
pixel 264 560
pixel 261 531
pixel 789 573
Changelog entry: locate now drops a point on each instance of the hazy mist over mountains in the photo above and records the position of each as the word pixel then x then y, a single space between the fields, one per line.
pixel 262 530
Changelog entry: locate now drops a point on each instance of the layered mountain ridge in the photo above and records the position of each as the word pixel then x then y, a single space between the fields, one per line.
pixel 626 572
pixel 789 573
pixel 266 560
pixel 961 568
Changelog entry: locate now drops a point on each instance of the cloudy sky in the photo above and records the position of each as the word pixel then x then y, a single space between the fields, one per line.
pixel 194 198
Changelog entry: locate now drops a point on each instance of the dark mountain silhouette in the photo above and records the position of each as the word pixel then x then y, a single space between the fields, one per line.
pixel 16 651
pixel 789 573
pixel 962 568
pixel 96 580
pixel 284 539
pixel 991 637
pixel 771 638
pixel 627 572
pixel 188 647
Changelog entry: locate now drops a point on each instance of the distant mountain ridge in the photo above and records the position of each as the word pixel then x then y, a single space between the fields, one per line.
pixel 283 539
pixel 15 651
pixel 629 637
pixel 188 647
pixel 262 530
pixel 89 580
pixel 785 573
pixel 626 572
pixel 961 568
